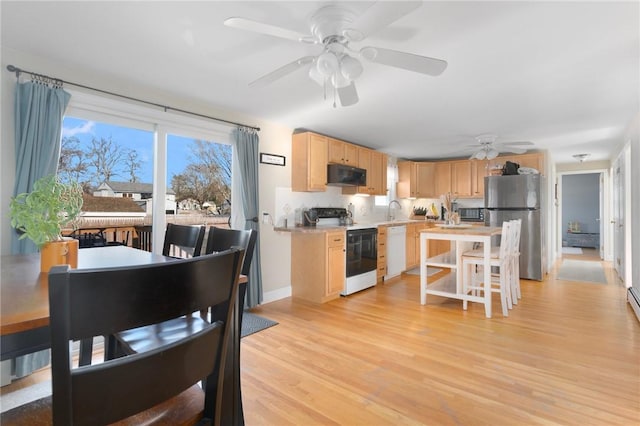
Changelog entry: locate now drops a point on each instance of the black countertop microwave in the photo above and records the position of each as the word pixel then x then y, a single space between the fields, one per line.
pixel 341 175
pixel 474 214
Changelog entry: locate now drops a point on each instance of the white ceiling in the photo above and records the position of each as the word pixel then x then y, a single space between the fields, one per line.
pixel 563 75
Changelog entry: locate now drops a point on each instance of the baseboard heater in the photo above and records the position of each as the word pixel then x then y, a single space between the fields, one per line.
pixel 634 300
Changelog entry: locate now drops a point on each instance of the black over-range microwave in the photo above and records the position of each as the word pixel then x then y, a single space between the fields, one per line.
pixel 473 214
pixel 341 175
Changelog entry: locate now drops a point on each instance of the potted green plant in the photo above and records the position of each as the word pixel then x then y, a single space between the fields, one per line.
pixel 41 214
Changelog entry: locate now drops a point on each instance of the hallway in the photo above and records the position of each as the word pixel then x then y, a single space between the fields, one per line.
pixel 581 253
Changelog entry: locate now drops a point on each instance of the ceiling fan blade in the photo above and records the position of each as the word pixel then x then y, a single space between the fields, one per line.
pixel 518 143
pixel 380 15
pixel 281 72
pixel 513 150
pixel 262 28
pixel 348 95
pixel 407 61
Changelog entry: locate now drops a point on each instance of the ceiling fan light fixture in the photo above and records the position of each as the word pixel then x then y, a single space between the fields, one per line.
pixel 491 154
pixel 315 75
pixel 339 81
pixel 350 67
pixel 327 64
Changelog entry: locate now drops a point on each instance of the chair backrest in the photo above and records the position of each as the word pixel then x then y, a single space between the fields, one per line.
pixel 516 227
pixel 505 240
pixel 142 237
pixel 183 240
pixel 219 239
pixel 97 302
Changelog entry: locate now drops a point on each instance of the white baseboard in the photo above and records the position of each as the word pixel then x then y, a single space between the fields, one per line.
pixel 272 296
pixel 634 300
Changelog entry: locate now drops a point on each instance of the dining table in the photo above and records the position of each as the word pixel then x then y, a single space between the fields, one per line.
pixel 24 314
pixel 463 237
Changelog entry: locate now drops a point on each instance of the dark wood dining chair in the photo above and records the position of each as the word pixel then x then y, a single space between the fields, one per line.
pixel 146 338
pixel 180 241
pixel 159 386
pixel 183 239
pixel 220 239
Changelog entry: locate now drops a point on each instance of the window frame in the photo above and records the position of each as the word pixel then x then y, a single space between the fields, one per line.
pixel 161 123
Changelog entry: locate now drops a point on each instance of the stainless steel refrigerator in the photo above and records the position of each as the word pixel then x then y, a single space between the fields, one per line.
pixel 520 197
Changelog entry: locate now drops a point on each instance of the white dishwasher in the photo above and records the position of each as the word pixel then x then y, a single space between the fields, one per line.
pixel 396 259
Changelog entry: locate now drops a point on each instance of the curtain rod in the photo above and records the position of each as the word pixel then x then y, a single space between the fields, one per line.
pixel 166 108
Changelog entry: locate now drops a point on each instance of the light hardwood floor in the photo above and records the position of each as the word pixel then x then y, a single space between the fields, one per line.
pixel 568 354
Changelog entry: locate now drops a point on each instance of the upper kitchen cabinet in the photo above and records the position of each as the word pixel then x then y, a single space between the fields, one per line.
pixel 341 152
pixel 478 173
pixel 309 162
pixel 535 160
pixel 416 179
pixel 375 163
pixel 378 180
pixel 461 178
pixel 442 178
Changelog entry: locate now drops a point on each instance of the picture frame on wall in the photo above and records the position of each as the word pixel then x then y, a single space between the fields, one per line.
pixel 273 159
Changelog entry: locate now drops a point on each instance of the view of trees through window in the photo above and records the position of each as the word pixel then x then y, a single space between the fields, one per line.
pixel 114 165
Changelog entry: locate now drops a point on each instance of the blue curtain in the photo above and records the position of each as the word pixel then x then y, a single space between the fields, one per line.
pixel 39 109
pixel 246 143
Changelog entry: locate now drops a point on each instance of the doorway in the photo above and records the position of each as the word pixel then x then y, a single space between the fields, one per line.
pixel 581 225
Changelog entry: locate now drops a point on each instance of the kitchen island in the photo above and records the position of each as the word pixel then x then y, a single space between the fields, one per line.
pixel 463 237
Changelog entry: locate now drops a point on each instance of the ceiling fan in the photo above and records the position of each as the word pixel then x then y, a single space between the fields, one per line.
pixel 338 65
pixel 488 149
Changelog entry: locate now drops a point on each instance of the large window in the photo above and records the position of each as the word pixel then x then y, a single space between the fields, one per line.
pixel 141 169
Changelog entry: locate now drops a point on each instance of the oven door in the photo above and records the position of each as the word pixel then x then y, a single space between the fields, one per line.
pixel 362 251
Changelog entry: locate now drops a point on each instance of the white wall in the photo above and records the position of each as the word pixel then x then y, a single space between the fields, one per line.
pixel 274 139
pixel 633 137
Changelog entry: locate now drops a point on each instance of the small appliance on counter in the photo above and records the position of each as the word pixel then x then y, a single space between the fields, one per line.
pixel 323 216
pixel 471 214
pixel 310 217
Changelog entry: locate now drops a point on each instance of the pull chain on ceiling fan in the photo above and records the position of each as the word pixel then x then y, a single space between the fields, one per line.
pixel 339 65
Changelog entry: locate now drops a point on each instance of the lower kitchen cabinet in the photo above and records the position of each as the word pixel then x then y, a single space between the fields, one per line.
pixel 382 253
pixel 318 265
pixel 412 254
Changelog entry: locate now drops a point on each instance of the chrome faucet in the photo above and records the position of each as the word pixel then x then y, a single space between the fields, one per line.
pixel 389 215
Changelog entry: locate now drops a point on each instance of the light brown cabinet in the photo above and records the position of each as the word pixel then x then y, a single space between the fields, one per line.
pixel 534 160
pixel 378 182
pixel 309 162
pixel 442 178
pixel 336 266
pixel 318 265
pixel 416 179
pixel 478 172
pixel 437 247
pixel 375 163
pixel 312 152
pixel 461 178
pixel 382 252
pixel 341 152
pixel 412 249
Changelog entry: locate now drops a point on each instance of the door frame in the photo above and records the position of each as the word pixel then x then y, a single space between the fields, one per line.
pixel 605 210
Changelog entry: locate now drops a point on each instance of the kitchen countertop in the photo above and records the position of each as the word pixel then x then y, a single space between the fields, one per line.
pixel 363 225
